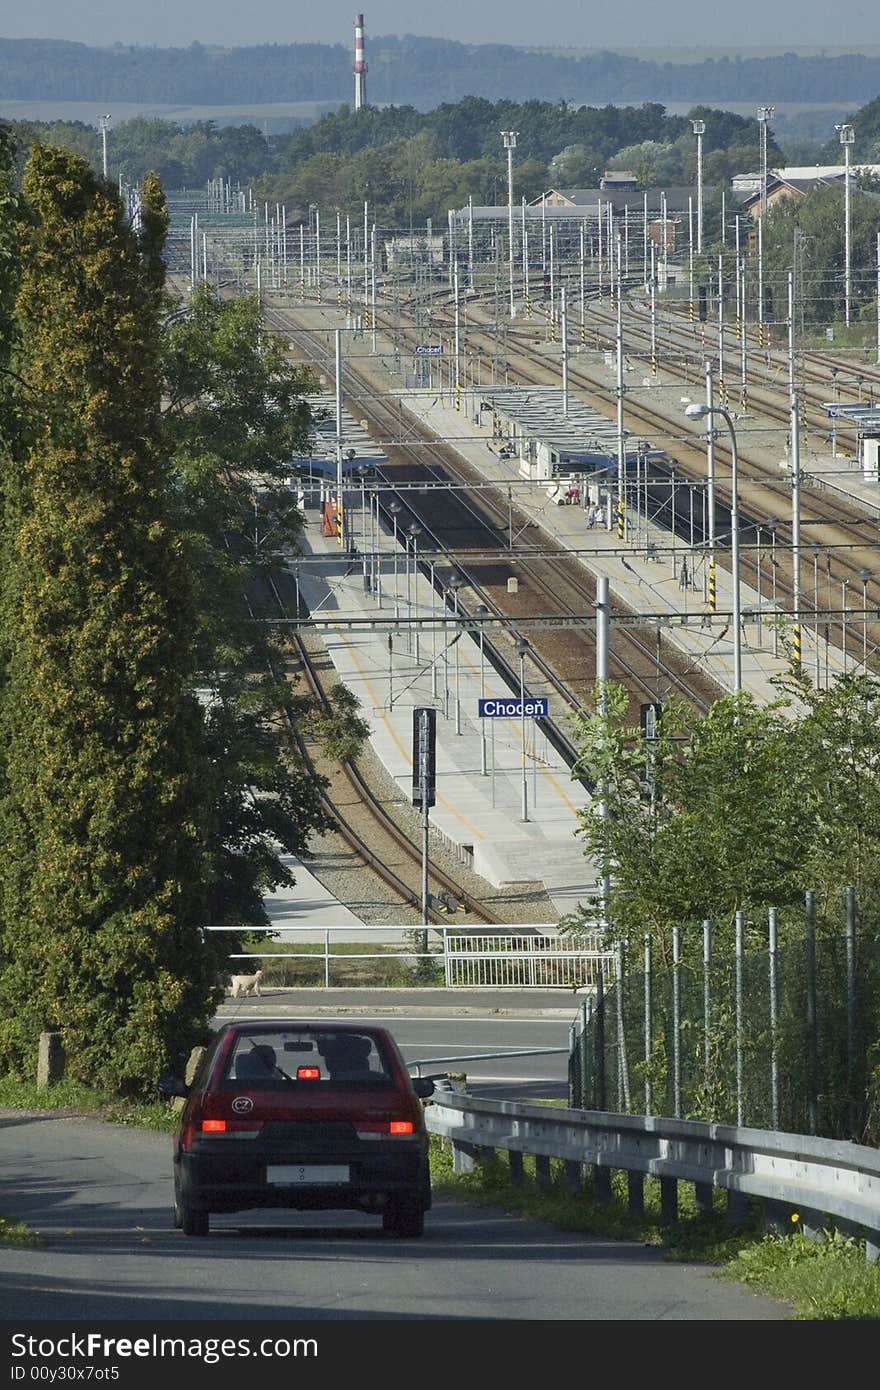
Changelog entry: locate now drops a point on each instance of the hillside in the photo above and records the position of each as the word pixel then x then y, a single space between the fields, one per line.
pixel 420 71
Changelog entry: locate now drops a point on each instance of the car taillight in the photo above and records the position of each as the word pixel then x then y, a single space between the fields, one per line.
pixel 308 1074
pixel 381 1129
pixel 213 1126
pixel 242 1128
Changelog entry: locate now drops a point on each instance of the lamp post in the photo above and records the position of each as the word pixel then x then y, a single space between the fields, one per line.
pixel 509 138
pixel 414 530
pixel 455 582
pixel 699 131
pixel 696 412
pixel 764 115
pixel 522 646
pixel 481 611
pixel 846 135
pixel 394 508
pixel 103 122
pixel 865 576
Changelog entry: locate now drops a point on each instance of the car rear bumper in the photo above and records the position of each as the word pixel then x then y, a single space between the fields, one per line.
pixel 236 1176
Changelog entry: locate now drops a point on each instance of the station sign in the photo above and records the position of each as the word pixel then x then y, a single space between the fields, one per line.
pixel 513 708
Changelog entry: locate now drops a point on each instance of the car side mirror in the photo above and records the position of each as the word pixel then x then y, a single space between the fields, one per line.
pixel 170 1086
pixel 423 1086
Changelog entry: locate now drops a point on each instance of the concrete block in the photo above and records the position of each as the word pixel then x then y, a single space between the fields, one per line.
pixel 50 1060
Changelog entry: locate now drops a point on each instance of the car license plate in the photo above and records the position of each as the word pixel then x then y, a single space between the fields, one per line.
pixel 290 1174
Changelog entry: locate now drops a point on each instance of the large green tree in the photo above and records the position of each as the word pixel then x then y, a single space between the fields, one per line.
pixel 744 807
pixel 103 879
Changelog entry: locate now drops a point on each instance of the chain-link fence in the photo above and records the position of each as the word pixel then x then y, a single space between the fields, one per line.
pixel 786 1037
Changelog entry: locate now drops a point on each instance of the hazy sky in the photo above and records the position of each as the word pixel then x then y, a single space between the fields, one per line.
pixel 563 23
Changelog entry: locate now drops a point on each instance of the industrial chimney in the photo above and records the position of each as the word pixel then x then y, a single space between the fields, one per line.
pixel 360 66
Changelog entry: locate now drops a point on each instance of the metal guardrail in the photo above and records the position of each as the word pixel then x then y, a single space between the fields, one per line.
pixel 816 1178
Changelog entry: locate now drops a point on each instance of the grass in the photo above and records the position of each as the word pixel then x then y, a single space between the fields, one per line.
pixel 17 1233
pixel 347 969
pixel 821 1280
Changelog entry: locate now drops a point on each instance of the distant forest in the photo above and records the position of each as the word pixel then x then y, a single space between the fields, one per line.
pixel 422 72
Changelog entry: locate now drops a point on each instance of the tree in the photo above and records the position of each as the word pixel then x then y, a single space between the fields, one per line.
pixel 235 410
pixel 706 823
pixel 103 886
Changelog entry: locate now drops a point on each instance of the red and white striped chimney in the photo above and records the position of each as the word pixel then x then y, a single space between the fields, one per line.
pixel 360 65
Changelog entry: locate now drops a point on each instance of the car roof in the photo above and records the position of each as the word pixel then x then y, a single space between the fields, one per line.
pixel 324 1025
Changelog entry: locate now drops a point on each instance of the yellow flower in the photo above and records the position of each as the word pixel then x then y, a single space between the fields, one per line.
pixel 795 1216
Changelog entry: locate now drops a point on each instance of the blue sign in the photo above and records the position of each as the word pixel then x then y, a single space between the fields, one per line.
pixel 510 708
pixel 428 349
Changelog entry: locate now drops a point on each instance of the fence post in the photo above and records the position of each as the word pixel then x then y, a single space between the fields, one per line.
pixel 676 1022
pixel 774 1014
pixel 812 1044
pixel 623 1092
pixel 740 917
pixel 600 1039
pixel 649 1098
pixel 707 999
pixel 326 957
pixel 851 1007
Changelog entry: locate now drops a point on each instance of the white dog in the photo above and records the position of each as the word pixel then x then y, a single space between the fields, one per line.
pixel 245 984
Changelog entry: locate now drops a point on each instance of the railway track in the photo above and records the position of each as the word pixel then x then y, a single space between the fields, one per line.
pixel 838 526
pixel 362 821
pixel 456 527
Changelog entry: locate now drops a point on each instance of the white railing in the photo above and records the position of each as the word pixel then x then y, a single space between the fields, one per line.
pixel 503 958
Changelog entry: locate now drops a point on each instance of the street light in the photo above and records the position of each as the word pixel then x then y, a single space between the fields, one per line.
pixel 696 412
pixel 455 582
pixel 481 611
pixel 764 115
pixel 394 508
pixel 865 576
pixel 699 131
pixel 103 122
pixel 414 530
pixel 846 135
pixel 509 138
pixel 522 646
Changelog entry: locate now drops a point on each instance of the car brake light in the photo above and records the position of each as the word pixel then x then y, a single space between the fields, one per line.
pixel 213 1126
pixel 379 1129
pixel 308 1074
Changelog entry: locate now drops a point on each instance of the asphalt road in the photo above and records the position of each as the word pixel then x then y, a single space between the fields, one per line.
pixel 456 1024
pixel 100 1196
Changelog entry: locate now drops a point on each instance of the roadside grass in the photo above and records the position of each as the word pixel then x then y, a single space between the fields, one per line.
pixel 820 1280
pixel 17 1233
pixel 74 1098
pixel 288 965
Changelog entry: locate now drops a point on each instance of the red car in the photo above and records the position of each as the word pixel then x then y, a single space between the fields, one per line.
pixel 313 1116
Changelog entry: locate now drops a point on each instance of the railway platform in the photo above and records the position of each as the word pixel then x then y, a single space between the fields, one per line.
pixel 490 770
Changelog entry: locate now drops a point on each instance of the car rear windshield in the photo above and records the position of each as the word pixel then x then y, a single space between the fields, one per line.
pixel 274 1061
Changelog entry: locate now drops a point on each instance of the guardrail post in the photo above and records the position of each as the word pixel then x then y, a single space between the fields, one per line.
pixel 573 1175
pixel 517 1171
pixel 635 1192
pixel 542 1170
pixel 703 1196
pixel 601 1185
pixel 464 1156
pixel 737 1207
pixel 668 1200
